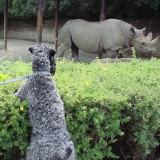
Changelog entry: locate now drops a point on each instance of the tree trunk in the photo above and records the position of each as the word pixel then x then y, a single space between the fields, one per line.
pixel 103 10
pixel 56 24
pixel 39 21
pixel 5 23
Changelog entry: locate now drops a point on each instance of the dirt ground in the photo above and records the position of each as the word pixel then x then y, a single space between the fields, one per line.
pixel 18 49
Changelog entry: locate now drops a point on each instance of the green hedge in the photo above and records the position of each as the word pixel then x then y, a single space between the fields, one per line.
pixel 112 110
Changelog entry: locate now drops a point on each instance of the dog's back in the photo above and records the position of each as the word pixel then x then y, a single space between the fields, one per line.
pixel 50 139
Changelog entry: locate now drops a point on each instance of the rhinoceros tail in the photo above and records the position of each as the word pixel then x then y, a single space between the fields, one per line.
pixel 64 36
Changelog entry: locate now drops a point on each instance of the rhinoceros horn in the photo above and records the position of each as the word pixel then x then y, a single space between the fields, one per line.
pixel 156 40
pixel 149 36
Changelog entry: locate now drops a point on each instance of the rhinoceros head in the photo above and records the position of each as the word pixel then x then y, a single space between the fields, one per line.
pixel 142 43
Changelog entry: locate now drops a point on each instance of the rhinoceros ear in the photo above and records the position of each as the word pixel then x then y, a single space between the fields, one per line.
pixel 132 31
pixel 143 30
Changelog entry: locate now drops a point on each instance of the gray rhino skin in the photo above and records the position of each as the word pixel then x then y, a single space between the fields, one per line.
pixel 102 37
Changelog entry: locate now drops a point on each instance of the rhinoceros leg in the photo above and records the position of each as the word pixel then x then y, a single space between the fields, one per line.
pixel 75 52
pixel 100 55
pixel 111 54
pixel 62 49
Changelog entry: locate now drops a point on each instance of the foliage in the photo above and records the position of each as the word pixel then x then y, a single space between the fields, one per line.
pixel 14 123
pixel 23 8
pixel 112 110
pixel 87 9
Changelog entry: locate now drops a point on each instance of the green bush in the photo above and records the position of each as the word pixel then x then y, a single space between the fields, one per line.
pixel 112 110
pixel 14 123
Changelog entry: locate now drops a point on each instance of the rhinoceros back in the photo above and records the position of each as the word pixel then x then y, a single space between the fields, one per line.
pixel 85 35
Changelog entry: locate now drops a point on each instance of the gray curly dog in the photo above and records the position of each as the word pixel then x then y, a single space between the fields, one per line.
pixel 50 139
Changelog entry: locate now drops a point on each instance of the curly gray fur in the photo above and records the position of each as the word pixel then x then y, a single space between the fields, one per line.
pixel 50 139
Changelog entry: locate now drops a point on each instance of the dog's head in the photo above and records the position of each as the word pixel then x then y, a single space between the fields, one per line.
pixel 43 58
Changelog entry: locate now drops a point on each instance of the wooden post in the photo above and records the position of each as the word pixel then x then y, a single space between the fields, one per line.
pixel 5 23
pixel 39 21
pixel 56 25
pixel 103 10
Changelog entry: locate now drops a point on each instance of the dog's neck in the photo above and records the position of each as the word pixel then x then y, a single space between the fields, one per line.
pixel 41 73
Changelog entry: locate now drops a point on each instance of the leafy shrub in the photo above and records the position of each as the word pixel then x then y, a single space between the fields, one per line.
pixel 14 128
pixel 112 110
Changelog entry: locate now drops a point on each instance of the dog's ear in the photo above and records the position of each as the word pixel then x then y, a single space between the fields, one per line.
pixel 30 49
pixel 52 52
pixel 52 61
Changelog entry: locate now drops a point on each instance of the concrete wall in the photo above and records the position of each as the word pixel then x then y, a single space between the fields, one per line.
pixel 27 30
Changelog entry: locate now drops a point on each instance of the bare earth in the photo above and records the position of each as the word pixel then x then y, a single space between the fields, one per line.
pixel 18 49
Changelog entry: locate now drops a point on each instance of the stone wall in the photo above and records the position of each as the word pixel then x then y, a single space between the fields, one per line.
pixel 26 30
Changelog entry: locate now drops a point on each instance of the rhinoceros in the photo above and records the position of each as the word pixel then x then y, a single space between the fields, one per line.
pixel 102 37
